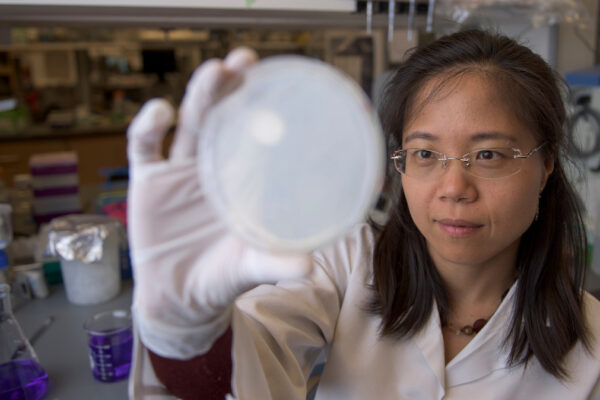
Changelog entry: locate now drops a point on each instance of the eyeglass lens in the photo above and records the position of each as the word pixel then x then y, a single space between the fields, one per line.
pixel 485 163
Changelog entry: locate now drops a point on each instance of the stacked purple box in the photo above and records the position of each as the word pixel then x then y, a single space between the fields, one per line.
pixel 55 185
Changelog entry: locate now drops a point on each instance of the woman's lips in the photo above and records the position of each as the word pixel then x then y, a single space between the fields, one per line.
pixel 457 227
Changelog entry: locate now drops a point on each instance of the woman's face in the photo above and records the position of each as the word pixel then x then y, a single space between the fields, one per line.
pixel 466 219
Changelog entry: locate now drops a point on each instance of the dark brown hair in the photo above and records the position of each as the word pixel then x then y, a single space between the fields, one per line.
pixel 552 253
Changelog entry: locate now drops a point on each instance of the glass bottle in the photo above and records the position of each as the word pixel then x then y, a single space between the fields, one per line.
pixel 21 376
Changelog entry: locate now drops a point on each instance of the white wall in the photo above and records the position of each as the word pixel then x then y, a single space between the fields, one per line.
pixel 577 45
pixel 542 40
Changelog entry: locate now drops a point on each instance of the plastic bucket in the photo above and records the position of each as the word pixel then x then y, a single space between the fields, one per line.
pixel 95 282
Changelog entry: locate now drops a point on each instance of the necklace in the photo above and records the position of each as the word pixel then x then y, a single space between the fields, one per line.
pixel 467 329
pixel 470 330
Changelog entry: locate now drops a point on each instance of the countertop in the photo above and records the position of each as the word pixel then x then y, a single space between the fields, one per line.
pixel 46 132
pixel 62 349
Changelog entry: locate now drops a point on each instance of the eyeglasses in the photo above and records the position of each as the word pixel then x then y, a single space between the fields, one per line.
pixel 490 163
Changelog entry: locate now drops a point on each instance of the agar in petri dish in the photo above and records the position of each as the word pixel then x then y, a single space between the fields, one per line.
pixel 294 157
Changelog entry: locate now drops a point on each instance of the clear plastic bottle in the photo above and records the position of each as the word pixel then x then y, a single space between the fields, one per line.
pixel 3 267
pixel 21 199
pixel 21 375
pixel 6 233
pixel 4 197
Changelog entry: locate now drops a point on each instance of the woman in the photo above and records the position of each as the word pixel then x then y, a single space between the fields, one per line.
pixel 473 289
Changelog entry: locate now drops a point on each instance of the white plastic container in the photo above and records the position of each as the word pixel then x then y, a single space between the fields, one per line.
pixel 88 247
pixel 33 274
pixel 96 282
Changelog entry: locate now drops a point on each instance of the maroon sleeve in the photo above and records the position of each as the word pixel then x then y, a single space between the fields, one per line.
pixel 207 376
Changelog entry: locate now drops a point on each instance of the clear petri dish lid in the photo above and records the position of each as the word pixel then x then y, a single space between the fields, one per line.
pixel 294 158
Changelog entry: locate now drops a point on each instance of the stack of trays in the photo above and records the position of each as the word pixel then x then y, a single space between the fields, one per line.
pixel 55 185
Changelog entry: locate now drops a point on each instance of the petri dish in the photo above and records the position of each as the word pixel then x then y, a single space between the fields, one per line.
pixel 294 157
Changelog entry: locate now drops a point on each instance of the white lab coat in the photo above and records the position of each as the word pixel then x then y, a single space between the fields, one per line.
pixel 280 333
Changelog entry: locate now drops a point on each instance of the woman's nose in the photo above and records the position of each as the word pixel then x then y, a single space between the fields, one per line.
pixel 456 183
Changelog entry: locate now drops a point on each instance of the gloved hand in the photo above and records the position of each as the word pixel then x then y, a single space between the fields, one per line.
pixel 188 268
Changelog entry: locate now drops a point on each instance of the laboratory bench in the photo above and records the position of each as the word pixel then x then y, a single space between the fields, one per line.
pixel 62 348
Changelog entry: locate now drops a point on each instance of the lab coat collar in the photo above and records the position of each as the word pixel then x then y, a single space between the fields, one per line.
pixel 483 355
pixel 486 352
pixel 431 343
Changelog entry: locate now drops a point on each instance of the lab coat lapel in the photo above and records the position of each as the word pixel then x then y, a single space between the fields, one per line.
pixel 431 343
pixel 486 352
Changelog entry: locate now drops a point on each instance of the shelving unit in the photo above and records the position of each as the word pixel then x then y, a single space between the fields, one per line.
pixel 191 47
pixel 9 76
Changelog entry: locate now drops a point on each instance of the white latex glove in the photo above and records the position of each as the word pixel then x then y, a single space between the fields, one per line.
pixel 188 268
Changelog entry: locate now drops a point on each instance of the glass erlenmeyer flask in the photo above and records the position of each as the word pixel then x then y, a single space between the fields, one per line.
pixel 21 376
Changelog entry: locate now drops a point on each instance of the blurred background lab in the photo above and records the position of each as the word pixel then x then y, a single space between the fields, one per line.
pixel 74 73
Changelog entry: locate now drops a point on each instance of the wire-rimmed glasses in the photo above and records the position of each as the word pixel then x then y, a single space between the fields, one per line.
pixel 487 163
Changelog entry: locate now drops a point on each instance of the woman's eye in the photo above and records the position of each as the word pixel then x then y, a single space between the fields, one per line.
pixel 424 154
pixel 488 155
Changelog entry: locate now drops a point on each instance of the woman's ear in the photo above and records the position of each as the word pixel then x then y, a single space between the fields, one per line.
pixel 548 168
